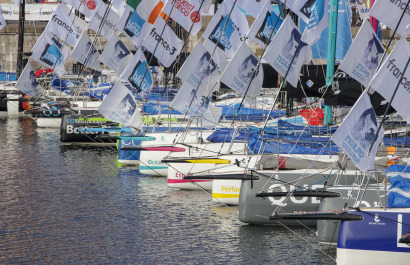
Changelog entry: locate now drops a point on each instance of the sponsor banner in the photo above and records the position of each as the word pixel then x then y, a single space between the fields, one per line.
pixel 104 20
pixel 261 30
pixel 120 106
pixel 226 33
pixel 390 74
pixel 364 55
pixel 51 53
pixel 86 53
pixel 34 12
pixel 166 46
pixel 187 13
pixel 389 13
pixel 200 69
pixel 285 47
pixel 64 27
pixel 243 74
pixel 357 132
pixel 86 7
pixel 138 75
pixel 133 26
pixel 28 83
pixel 116 55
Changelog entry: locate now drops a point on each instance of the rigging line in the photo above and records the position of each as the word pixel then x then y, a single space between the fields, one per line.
pixel 389 103
pixel 310 243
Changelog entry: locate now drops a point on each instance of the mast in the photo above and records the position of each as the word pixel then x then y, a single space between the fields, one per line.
pixel 21 39
pixel 331 52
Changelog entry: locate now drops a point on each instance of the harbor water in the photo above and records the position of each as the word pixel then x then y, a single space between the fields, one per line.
pixel 64 204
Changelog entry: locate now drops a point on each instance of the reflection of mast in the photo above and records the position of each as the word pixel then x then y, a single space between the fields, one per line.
pixel 21 39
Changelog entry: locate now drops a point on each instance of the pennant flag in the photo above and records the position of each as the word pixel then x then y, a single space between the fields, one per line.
pixel 390 74
pixel 133 26
pixel 252 7
pixel 302 8
pixel 116 55
pixel 137 74
pixel 200 69
pixel 28 83
pixel 120 106
pixel 149 10
pixel 196 104
pixel 243 74
pixel 51 53
pixel 318 21
pixel 357 132
pixel 104 20
pixel 284 47
pixel 261 30
pixel 187 13
pixel 226 33
pixel 166 46
pixel 364 55
pixel 63 26
pixel 389 13
pixel 2 20
pixel 85 52
pixel 86 7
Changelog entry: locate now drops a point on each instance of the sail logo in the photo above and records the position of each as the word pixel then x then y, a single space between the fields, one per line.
pixel 139 77
pixel 268 26
pixel 162 42
pixel 51 55
pixel 222 33
pixel 62 24
pixel 133 24
pixel 186 9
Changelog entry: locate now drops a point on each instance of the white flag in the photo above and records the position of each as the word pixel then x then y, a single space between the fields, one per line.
pixel 196 104
pixel 243 74
pixel 389 75
pixel 138 75
pixel 357 133
pixel 28 83
pixel 187 13
pixel 133 26
pixel 252 7
pixel 104 20
pixel 2 20
pixel 364 11
pixel 120 106
pixel 364 55
pixel 50 53
pixel 267 21
pixel 63 26
pixel 302 8
pixel 199 68
pixel 229 31
pixel 85 53
pixel 165 47
pixel 284 47
pixel 116 55
pixel 318 21
pixel 86 7
pixel 389 13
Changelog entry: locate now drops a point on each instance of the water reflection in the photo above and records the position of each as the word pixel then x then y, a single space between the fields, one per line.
pixel 72 204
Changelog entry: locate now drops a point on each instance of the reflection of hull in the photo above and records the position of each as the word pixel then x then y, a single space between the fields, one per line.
pixel 375 239
pixel 327 231
pixel 257 210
